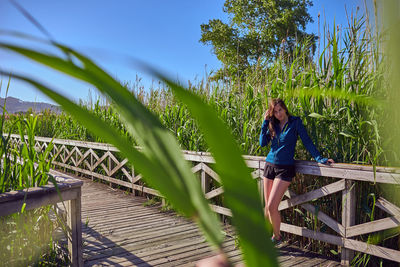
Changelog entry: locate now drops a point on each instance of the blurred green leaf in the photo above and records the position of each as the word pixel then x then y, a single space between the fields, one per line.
pixel 240 189
pixel 161 162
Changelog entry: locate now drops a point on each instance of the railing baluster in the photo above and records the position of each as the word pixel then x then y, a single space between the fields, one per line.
pixel 348 217
pixel 205 181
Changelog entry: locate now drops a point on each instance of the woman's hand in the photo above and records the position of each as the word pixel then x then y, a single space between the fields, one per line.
pixel 330 161
pixel 266 115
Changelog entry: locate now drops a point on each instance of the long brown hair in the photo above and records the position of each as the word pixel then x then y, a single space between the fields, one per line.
pixel 270 114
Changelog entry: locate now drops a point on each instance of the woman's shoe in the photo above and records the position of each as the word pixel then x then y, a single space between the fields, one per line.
pixel 277 242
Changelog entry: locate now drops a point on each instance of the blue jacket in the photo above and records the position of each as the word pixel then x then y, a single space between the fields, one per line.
pixel 284 143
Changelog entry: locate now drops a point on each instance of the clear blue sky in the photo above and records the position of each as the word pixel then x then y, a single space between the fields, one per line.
pixel 163 33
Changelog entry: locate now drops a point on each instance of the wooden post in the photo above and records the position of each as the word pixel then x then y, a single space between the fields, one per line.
pixel 75 234
pixel 348 217
pixel 205 181
pixel 109 168
pixel 260 181
pixel 76 159
pixel 64 161
pixel 134 192
pixel 91 165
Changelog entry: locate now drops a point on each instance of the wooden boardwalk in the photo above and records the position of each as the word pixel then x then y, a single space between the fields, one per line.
pixel 119 230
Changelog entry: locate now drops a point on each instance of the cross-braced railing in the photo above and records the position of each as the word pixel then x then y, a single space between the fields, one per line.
pixel 102 161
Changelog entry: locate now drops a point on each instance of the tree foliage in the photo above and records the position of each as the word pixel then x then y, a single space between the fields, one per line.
pixel 258 30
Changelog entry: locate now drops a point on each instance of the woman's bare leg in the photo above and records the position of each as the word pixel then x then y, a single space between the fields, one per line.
pixel 279 187
pixel 267 191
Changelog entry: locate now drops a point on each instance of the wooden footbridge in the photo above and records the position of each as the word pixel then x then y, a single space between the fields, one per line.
pixel 119 229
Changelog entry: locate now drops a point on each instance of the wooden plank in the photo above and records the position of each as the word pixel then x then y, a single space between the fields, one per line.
pixel 138 240
pixel 115 235
pixel 194 255
pixel 136 178
pixel 103 177
pixel 118 166
pixel 100 160
pixel 133 244
pixel 138 243
pixel 302 231
pixel 37 200
pixel 75 233
pixel 214 193
pixel 109 238
pixel 87 153
pixel 320 192
pixel 199 158
pixel 210 172
pixel 348 218
pixel 196 168
pixel 386 253
pixel 373 226
pixel 349 166
pixel 221 210
pixel 135 224
pixel 148 253
pixel 388 207
pixel 331 223
pixel 146 190
pixel 205 182
pixel 390 254
pixel 93 145
pixel 350 174
pixel 127 174
pixel 252 163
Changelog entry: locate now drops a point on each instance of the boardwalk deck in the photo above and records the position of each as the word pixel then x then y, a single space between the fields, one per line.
pixel 118 230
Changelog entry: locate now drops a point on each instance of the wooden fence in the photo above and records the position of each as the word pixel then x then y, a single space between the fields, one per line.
pixel 69 190
pixel 102 161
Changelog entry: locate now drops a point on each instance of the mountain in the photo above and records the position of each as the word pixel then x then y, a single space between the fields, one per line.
pixel 15 105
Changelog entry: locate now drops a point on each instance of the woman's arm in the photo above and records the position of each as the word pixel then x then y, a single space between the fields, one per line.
pixel 307 142
pixel 265 137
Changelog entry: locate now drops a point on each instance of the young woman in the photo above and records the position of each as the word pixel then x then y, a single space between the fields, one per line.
pixel 282 130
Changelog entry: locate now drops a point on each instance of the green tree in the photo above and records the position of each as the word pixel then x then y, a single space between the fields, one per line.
pixel 258 30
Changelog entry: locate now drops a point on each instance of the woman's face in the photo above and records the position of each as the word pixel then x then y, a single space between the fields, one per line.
pixel 280 113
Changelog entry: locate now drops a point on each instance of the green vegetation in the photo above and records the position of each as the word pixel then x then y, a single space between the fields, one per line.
pixel 27 237
pixel 340 96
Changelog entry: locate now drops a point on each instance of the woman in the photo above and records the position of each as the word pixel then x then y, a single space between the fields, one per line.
pixel 282 130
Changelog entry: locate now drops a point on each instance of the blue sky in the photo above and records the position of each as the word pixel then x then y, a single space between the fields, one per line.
pixel 163 33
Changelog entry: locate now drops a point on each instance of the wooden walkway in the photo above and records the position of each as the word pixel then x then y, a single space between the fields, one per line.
pixel 119 230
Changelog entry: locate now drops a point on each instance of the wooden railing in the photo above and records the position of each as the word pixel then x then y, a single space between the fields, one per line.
pixel 102 161
pixel 69 190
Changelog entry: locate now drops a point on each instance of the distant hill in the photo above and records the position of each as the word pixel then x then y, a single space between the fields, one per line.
pixel 15 105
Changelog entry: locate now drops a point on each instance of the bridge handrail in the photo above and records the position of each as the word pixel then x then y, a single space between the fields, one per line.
pixel 89 158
